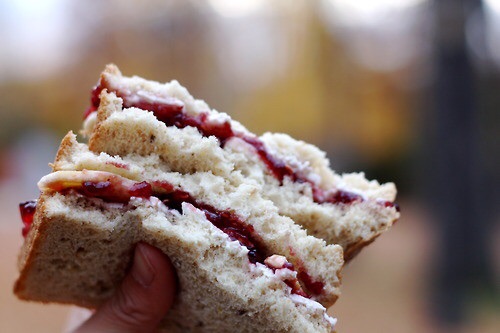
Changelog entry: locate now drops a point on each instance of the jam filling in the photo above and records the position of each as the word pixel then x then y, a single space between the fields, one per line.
pixel 170 111
pixel 107 191
pixel 94 101
pixel 118 165
pixel 314 287
pixel 226 221
pixel 292 282
pixel 27 210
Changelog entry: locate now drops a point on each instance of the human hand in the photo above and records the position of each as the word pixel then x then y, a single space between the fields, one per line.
pixel 143 299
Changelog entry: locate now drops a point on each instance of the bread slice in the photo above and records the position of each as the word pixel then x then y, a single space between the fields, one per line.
pixel 318 264
pixel 78 249
pixel 341 209
pixel 81 240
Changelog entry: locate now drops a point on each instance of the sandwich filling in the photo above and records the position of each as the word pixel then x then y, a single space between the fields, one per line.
pixel 171 111
pixel 27 210
pixel 112 188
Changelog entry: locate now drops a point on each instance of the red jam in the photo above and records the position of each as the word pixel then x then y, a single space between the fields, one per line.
pixel 141 190
pixel 118 165
pixel 226 221
pixel 296 288
pixel 27 210
pixel 314 287
pixel 392 204
pixel 109 192
pixel 343 197
pixel 293 283
pixel 278 168
pixel 94 100
pixel 170 111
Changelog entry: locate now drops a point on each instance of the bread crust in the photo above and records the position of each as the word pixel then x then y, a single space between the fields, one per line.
pixel 30 246
pixel 54 244
pixel 201 282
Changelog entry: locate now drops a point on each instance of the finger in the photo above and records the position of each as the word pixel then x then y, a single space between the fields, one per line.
pixel 143 299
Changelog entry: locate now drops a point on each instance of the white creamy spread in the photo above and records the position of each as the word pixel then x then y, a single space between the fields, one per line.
pixel 313 305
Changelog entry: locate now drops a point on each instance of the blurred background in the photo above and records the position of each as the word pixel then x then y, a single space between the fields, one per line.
pixel 405 90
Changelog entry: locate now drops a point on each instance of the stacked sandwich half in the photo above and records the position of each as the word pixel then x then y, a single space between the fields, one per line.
pixel 258 228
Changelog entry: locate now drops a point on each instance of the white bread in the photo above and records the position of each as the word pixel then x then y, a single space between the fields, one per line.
pixel 351 225
pixel 78 249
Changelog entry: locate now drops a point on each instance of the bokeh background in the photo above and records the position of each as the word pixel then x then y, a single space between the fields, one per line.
pixel 405 90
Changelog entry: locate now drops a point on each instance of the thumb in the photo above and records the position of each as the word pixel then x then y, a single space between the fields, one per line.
pixel 143 299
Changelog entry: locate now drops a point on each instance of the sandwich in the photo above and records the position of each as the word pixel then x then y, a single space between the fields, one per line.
pixel 344 209
pixel 258 228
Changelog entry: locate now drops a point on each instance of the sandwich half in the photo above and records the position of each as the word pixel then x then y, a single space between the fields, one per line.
pixel 348 209
pixel 238 260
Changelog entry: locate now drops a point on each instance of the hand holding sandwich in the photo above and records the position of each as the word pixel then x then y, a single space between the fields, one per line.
pixel 144 298
pixel 257 227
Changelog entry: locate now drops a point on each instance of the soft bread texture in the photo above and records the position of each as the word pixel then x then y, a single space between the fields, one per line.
pixel 79 248
pixel 122 132
pixel 279 234
pixel 351 226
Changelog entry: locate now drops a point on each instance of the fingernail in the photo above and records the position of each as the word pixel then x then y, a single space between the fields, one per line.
pixel 142 270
